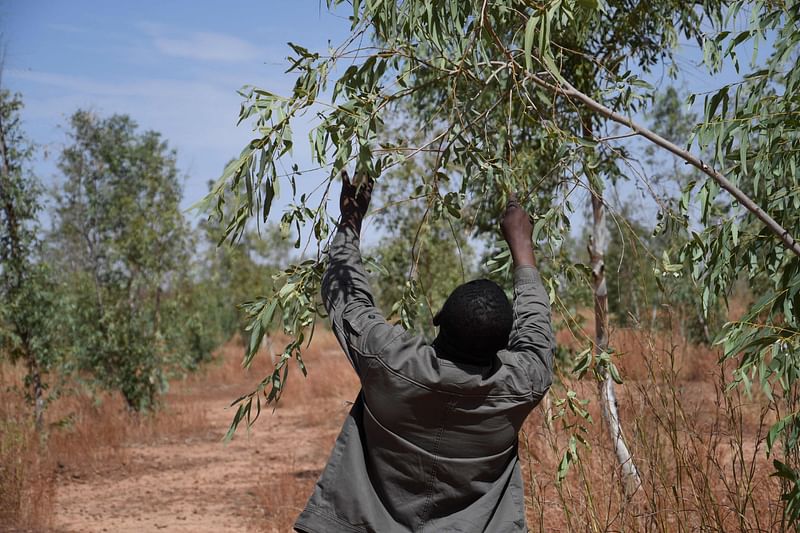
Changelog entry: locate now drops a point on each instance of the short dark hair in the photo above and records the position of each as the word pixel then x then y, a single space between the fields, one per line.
pixel 476 318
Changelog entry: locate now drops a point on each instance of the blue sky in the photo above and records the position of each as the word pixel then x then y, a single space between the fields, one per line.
pixel 173 66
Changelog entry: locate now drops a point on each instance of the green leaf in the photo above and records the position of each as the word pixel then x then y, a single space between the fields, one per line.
pixel 552 68
pixel 614 373
pixel 777 429
pixel 530 30
pixel 235 423
pixel 563 466
pixel 584 360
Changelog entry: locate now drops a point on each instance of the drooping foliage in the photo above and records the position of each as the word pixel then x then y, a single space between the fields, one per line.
pixel 467 71
pixel 531 98
pixel 752 127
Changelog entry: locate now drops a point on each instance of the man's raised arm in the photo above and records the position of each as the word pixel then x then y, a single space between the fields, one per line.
pixel 532 333
pixel 345 290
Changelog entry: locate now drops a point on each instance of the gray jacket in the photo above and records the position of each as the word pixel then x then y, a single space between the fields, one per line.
pixel 429 445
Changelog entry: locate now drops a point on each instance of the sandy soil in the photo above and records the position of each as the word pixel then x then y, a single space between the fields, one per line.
pixel 198 483
pixel 181 477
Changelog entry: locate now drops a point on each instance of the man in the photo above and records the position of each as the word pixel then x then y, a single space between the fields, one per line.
pixel 431 442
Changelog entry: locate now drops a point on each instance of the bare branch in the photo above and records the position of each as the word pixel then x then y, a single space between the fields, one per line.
pixel 571 92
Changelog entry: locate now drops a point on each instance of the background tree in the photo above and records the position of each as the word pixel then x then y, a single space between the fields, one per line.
pixel 29 313
pixel 121 241
pixel 233 272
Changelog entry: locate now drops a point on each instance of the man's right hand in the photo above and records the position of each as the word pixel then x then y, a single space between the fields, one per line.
pixel 518 232
pixel 354 201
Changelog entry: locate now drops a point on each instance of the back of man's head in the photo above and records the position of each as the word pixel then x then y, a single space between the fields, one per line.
pixel 475 321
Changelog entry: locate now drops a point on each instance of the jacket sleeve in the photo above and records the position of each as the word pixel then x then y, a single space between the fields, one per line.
pixel 531 338
pixel 357 323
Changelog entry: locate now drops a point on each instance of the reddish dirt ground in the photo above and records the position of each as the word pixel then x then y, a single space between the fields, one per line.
pixel 176 474
pixel 197 483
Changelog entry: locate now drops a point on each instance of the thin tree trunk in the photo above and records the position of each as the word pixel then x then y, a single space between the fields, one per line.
pixel 90 237
pixel 704 323
pixel 37 390
pixel 157 318
pixel 608 399
pixel 267 342
pixel 548 412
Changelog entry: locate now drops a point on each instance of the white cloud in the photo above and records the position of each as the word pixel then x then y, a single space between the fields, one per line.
pixel 203 46
pixel 195 106
pixel 72 83
pixel 196 116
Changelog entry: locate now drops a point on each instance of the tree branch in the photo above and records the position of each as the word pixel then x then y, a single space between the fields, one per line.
pixel 569 91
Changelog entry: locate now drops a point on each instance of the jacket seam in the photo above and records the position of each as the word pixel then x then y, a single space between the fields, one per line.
pixel 328 516
pixel 432 478
pixel 451 393
pixel 367 330
pixel 358 318
pixel 379 356
pixel 389 342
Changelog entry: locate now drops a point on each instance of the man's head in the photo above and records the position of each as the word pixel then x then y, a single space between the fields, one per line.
pixel 475 321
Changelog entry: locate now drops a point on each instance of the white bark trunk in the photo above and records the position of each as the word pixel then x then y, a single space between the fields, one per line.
pixel 630 475
pixel 608 399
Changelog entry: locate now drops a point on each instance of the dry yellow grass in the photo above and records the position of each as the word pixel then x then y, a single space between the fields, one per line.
pixel 699 450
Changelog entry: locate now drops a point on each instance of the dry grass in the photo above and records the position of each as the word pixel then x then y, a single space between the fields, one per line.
pixel 700 451
pixel 27 477
pixel 282 497
pixel 87 436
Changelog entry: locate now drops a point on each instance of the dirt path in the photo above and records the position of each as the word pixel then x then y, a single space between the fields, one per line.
pixel 257 482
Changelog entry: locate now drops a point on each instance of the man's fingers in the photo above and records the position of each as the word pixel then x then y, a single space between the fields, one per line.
pixel 512 201
pixel 362 180
pixel 345 178
pixel 368 183
pixel 363 184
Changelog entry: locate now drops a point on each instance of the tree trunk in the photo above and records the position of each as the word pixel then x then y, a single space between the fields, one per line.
pixel 704 323
pixel 37 391
pixel 608 400
pixel 267 344
pixel 157 317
